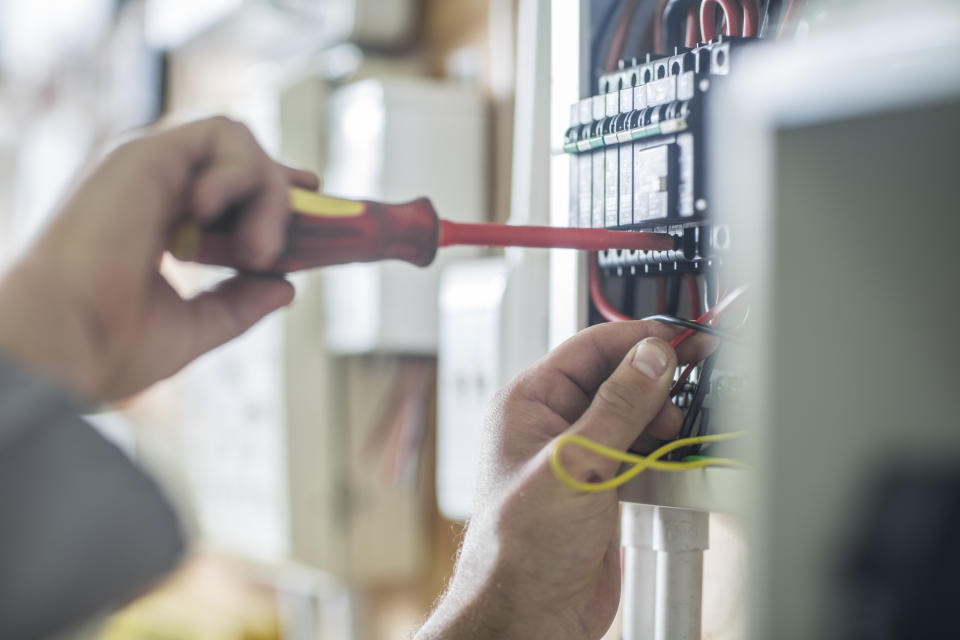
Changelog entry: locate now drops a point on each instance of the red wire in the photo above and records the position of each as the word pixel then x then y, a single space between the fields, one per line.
pixel 693 28
pixel 787 17
pixel 722 305
pixel 604 308
pixel 620 35
pixel 658 44
pixel 751 18
pixel 609 313
pixel 711 314
pixel 708 18
pixel 682 380
pixel 506 235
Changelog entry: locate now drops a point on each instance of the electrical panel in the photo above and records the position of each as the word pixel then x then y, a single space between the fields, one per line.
pixel 637 149
pixel 637 162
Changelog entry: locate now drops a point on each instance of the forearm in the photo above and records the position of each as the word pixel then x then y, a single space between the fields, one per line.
pixel 82 528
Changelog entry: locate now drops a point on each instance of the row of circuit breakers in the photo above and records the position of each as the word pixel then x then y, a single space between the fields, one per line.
pixel 637 157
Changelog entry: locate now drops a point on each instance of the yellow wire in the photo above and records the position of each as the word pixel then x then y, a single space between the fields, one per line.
pixel 640 463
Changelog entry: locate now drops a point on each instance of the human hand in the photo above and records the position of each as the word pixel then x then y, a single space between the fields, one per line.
pixel 88 307
pixel 540 560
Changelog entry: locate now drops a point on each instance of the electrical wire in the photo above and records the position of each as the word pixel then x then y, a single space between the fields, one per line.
pixel 691 324
pixel 611 314
pixel 682 380
pixel 640 463
pixel 598 37
pixel 674 21
pixel 708 18
pixel 788 16
pixel 606 310
pixel 658 34
pixel 690 418
pixel 751 18
pixel 673 294
pixel 694 292
pixel 693 28
pixel 770 16
pixel 620 35
pixel 722 305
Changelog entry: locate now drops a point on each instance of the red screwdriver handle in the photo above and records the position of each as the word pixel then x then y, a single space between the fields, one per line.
pixel 326 231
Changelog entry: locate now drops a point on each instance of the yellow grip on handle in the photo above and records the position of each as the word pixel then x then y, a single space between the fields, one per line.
pixel 186 238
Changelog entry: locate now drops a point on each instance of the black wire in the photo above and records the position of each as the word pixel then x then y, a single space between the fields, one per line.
pixel 674 23
pixel 673 295
pixel 703 428
pixel 690 324
pixel 598 38
pixel 630 296
pixel 696 403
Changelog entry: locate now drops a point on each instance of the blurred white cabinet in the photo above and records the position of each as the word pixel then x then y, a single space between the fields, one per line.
pixel 394 140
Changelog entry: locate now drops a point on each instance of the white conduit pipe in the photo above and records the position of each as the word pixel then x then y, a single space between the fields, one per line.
pixel 680 537
pixel 639 571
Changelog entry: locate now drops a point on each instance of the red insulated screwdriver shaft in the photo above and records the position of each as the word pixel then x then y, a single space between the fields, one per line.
pixel 504 235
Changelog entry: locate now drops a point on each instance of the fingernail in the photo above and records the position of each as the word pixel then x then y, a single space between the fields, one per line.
pixel 649 359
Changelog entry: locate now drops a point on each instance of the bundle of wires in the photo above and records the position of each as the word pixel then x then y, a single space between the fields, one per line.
pixel 684 23
pixel 688 443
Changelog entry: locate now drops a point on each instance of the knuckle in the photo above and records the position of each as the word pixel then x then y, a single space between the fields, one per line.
pixel 222 121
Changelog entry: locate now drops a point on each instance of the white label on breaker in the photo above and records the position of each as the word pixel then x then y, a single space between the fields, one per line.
pixel 584 177
pixel 612 103
pixel 640 201
pixel 626 184
pixel 611 190
pixel 586 111
pixel 626 100
pixel 640 97
pixel 597 190
pixel 598 111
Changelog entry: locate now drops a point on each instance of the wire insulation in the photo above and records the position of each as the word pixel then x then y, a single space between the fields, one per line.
pixel 708 18
pixel 640 463
pixel 691 324
pixel 788 17
pixel 750 18
pixel 604 308
pixel 620 35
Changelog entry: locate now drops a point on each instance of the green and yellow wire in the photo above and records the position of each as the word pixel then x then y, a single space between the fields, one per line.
pixel 640 463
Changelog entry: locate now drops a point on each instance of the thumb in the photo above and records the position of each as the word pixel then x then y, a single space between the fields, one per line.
pixel 624 405
pixel 235 305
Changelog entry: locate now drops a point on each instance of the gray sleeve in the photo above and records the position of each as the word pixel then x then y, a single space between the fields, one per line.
pixel 81 528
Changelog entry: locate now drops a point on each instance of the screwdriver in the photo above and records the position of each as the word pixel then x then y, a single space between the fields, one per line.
pixel 326 231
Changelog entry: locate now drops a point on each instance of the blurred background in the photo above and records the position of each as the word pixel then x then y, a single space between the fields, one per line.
pixel 302 457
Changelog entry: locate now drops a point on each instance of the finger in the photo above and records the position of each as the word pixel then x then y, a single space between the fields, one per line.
pixel 235 305
pixel 301 178
pixel 625 404
pixel 666 424
pixel 262 232
pixel 566 379
pixel 230 172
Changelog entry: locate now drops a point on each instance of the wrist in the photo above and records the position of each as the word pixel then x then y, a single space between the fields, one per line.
pixel 41 333
pixel 471 618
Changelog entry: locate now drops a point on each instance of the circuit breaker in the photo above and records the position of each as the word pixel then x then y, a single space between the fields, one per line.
pixel 637 149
